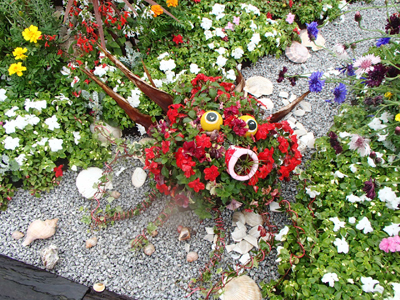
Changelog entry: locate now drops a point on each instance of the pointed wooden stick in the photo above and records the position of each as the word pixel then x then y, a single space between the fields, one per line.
pixel 133 113
pixel 148 74
pixel 161 98
pixel 280 114
pixel 240 82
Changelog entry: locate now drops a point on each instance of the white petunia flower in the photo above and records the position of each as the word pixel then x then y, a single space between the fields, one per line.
pixel 55 144
pixel 74 168
pixel 77 137
pixel 20 159
pixel 353 198
pixel 231 75
pixel 11 112
pixel 218 11
pixel 237 53
pixel 102 70
pixel 158 83
pixel 389 196
pixel 396 289
pixel 3 95
pixel 386 117
pixel 194 68
pixel 365 225
pixel 141 129
pixel 344 134
pixel 167 65
pixel 220 33
pixel 39 105
pixel 250 8
pixel 353 168
pixel 352 220
pixel 337 223
pixel 253 25
pixel 43 141
pixel 312 193
pixel 133 99
pixel 21 122
pixel 280 236
pixel 392 230
pixel 369 285
pixel 221 61
pixel 371 162
pixel 251 46
pixel 163 55
pixel 340 174
pixel 52 122
pixel 208 34
pixel 330 278
pixel 206 23
pixel 221 50
pixel 170 77
pixel 11 143
pixel 342 245
pixel 211 45
pixel 376 124
pixel 255 38
pixel 269 34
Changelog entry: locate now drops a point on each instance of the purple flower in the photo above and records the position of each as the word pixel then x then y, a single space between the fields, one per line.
pixel 373 101
pixel 369 188
pixel 393 25
pixel 340 93
pixel 312 30
pixel 315 83
pixel 239 127
pixel 333 139
pixel 382 41
pixel 282 75
pixel 292 80
pixel 376 75
pixel 347 69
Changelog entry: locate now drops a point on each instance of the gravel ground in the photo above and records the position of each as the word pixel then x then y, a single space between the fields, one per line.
pixel 163 275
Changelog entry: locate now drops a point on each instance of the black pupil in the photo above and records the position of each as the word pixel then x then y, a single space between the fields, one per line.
pixel 252 125
pixel 211 117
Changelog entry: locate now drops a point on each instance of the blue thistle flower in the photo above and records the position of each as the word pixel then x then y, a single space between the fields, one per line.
pixel 312 30
pixel 382 41
pixel 315 83
pixel 340 93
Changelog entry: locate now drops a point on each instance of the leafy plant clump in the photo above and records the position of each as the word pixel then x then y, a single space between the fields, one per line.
pixel 192 162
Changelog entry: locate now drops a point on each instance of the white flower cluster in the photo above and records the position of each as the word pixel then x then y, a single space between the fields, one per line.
pixel 11 143
pixel 342 245
pixel 194 69
pixel 3 95
pixel 55 144
pixel 103 69
pixel 337 223
pixel 39 105
pixel 371 285
pixel 52 123
pixel 167 65
pixel 353 198
pixel 330 278
pixel 365 225
pixel 250 8
pixel 389 196
pixel 218 11
pixel 206 24
pixel 255 39
pixel 133 99
pixel 20 123
pixel 237 53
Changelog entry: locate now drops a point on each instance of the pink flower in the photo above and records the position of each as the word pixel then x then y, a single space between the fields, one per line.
pixel 236 20
pixel 229 26
pixel 290 18
pixel 391 244
pixel 360 144
pixel 365 63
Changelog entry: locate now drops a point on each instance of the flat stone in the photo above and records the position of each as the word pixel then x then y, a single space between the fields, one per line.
pixel 254 232
pixel 285 102
pixel 274 206
pixel 253 219
pixel 283 94
pixel 245 259
pixel 252 240
pixel 299 112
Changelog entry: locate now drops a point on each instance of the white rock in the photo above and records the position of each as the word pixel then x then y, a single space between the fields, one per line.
pixel 300 126
pixel 86 179
pixel 285 102
pixel 267 102
pixel 16 235
pixel 291 119
pixel 238 216
pixel 274 206
pixel 241 225
pixel 300 132
pixel 245 259
pixel 299 112
pixel 253 219
pixel 209 237
pixel 120 171
pixel 252 240
pixel 283 94
pixel 238 235
pixel 235 255
pixel 308 140
pixel 292 98
pixel 306 106
pixel 230 247
pixel 254 232
pixel 139 177
pixel 49 256
pixel 210 230
pixel 243 247
pixel 187 247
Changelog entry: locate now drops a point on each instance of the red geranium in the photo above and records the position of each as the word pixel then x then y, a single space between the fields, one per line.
pixel 196 185
pixel 177 39
pixel 211 173
pixel 163 189
pixel 203 141
pixel 283 144
pixel 165 146
pixel 59 171
pixel 173 113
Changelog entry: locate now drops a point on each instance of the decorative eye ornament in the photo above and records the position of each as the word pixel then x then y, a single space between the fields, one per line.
pixel 251 125
pixel 211 120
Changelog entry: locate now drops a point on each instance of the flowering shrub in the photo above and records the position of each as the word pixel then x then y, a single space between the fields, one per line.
pixel 190 163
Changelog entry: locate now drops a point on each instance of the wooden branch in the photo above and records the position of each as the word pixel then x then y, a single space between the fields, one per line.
pixel 280 114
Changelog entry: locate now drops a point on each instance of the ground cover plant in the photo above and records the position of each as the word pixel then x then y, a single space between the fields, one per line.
pixel 346 245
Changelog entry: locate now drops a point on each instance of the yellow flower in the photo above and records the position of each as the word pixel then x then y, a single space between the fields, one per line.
pixel 397 118
pixel 388 95
pixel 173 3
pixel 19 53
pixel 16 68
pixel 31 34
pixel 157 10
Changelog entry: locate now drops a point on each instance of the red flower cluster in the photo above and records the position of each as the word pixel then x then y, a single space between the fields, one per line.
pixel 58 170
pixel 173 113
pixel 196 185
pixel 177 39
pixel 211 173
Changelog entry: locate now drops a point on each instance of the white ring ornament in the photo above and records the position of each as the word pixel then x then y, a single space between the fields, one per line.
pixel 233 160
